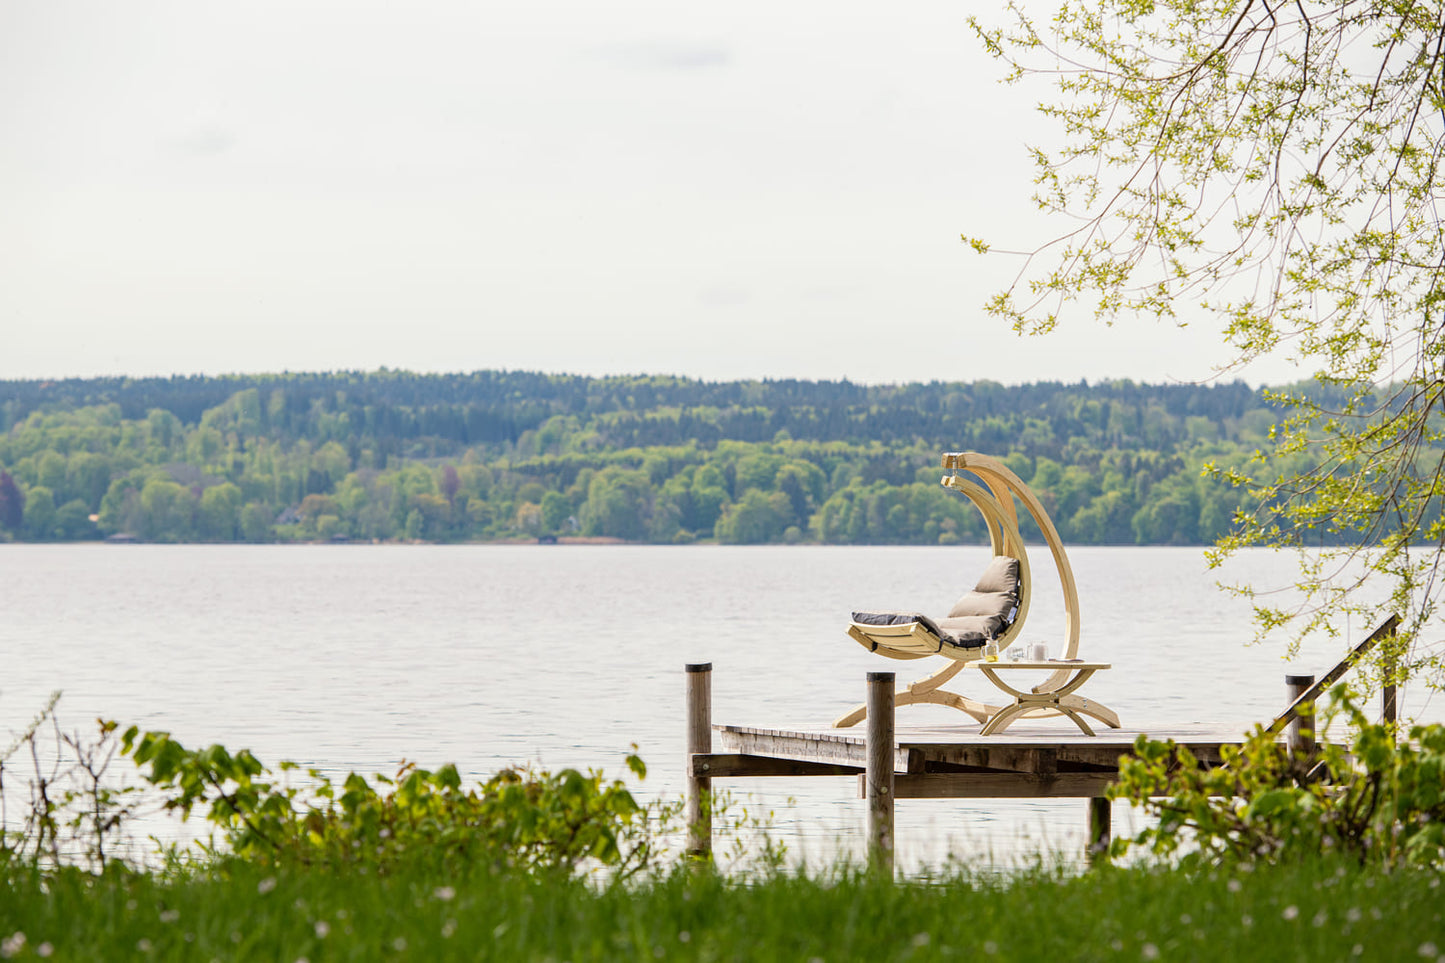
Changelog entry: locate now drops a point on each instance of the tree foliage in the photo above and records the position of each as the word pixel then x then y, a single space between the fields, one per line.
pixel 1274 167
pixel 12 503
pixel 1116 463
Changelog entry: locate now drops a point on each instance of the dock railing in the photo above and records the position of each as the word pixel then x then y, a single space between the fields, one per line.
pixel 1303 702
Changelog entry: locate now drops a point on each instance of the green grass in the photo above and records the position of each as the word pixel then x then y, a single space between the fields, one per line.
pixel 1315 912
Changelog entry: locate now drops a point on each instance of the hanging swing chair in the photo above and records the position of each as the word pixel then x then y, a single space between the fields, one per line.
pixel 994 611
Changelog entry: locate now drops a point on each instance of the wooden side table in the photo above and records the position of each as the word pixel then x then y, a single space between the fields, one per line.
pixel 1058 696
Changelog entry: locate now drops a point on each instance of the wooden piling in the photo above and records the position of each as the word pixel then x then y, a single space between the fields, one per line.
pixel 699 742
pixel 879 771
pixel 1101 818
pixel 1302 727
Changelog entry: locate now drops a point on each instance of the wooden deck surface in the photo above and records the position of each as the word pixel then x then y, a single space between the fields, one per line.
pixel 1050 732
pixel 1043 758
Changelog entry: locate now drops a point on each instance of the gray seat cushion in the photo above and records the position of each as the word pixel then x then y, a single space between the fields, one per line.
pixel 894 618
pixel 969 632
pixel 979 617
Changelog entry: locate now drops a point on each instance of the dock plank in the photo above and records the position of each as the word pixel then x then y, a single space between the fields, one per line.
pixel 1037 749
pixel 994 785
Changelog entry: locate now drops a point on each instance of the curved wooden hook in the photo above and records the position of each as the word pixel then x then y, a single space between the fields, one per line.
pixel 992 470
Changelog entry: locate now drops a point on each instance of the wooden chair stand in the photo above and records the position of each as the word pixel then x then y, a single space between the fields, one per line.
pixel 992 488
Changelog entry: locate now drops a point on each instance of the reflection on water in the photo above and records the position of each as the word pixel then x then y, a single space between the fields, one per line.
pixel 355 657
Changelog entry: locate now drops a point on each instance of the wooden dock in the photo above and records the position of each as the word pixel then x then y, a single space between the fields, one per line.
pixel 1038 760
pixel 1032 759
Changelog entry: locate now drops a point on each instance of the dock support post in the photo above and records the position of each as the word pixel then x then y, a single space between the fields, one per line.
pixel 699 740
pixel 880 749
pixel 1302 729
pixel 1101 818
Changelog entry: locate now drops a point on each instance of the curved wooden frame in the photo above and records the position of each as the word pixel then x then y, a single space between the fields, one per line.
pixel 993 495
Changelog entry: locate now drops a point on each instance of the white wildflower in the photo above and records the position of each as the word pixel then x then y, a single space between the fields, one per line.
pixel 12 944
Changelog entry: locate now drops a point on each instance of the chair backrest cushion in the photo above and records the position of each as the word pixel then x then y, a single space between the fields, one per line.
pixel 1002 575
pixel 996 596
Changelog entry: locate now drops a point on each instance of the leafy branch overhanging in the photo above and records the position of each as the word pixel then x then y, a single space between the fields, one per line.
pixel 1274 166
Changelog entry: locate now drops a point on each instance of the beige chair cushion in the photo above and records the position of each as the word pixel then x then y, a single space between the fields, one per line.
pixel 996 596
pixel 1002 575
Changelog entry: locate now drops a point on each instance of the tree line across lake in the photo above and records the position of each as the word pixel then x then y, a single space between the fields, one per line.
pixel 501 455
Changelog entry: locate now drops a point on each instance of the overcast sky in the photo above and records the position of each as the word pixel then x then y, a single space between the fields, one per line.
pixel 727 190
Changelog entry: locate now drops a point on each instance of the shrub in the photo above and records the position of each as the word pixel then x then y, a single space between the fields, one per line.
pixel 1380 803
pixel 519 819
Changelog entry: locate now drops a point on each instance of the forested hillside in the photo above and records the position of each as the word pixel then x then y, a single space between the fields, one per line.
pixel 499 455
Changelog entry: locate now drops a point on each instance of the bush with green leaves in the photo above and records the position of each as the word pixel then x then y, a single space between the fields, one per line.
pixel 1382 802
pixel 519 819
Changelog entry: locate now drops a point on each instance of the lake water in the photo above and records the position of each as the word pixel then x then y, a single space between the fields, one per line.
pixel 355 657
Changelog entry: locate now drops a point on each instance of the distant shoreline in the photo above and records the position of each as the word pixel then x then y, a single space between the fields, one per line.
pixel 583 540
